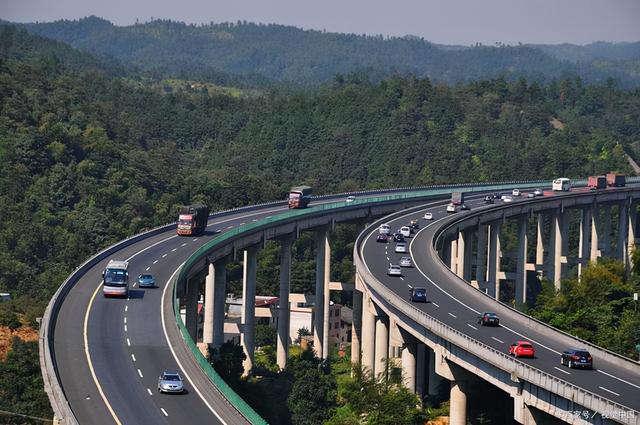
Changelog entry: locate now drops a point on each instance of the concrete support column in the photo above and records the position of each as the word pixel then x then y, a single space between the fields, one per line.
pixel 631 235
pixel 493 284
pixel 409 366
pixel 420 364
pixel 521 269
pixel 382 344
pixel 368 333
pixel 605 249
pixel 327 299
pixel 191 309
pixel 540 242
pixel 584 247
pixel 481 256
pixel 356 327
pixel 458 403
pixel 453 253
pixel 209 308
pixel 623 222
pixel 283 311
pixel 446 252
pixel 219 301
pixel 595 235
pixel 434 378
pixel 248 319
pixel 463 268
pixel 318 319
pixel 555 249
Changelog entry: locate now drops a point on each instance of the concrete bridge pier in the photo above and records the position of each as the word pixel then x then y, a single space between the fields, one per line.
pixel 584 244
pixel 319 324
pixel 623 222
pixel 631 235
pixel 356 327
pixel 209 289
pixel 409 359
pixel 214 304
pixel 283 310
pixel 420 364
pixel 463 266
pixel 595 233
pixel 458 391
pixel 191 308
pixel 368 333
pixel 248 319
pixel 556 245
pixel 434 380
pixel 605 246
pixel 521 260
pixel 481 257
pixel 540 243
pixel 493 283
pixel 521 412
pixel 381 344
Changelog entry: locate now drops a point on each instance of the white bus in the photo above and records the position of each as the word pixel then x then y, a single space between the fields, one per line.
pixel 115 279
pixel 561 184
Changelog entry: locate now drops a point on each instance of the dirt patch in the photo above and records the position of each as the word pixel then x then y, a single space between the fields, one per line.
pixel 440 420
pixel 24 333
pixel 556 123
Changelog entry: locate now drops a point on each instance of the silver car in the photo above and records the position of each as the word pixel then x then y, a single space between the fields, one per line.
pixel 401 248
pixel 394 270
pixel 169 382
pixel 406 262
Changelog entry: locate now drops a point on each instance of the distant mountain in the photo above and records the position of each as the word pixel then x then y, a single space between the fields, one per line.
pixel 277 53
pixel 595 51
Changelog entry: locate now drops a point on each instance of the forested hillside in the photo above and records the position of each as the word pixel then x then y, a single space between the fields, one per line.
pixel 256 54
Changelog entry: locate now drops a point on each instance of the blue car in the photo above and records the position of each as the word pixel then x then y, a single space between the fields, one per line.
pixel 418 295
pixel 146 281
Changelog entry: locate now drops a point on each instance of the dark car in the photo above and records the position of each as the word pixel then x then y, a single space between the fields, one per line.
pixel 488 319
pixel 414 224
pixel 418 294
pixel 496 195
pixel 382 237
pixel 464 207
pixel 488 199
pixel 576 357
pixel 398 237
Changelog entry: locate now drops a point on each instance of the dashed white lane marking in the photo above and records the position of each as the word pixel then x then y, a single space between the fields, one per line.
pixel 164 411
pixel 147 269
pixel 126 307
pixel 140 373
pixel 149 391
pixel 125 320
pixel 133 357
pixel 242 224
pixel 453 315
pixel 499 340
pixel 134 285
pixel 230 227
pixel 562 370
pixel 125 328
pixel 184 244
pixel 174 250
pixel 128 342
pixel 471 326
pixel 195 240
pixel 388 259
pixel 435 304
pixel 401 278
pixel 619 379
pixel 155 261
pixel 268 217
pixel 609 391
pixel 164 255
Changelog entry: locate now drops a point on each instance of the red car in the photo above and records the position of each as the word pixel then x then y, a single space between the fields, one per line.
pixel 522 349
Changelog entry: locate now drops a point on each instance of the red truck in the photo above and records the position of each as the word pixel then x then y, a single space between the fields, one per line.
pixel 616 180
pixel 597 182
pixel 299 196
pixel 192 220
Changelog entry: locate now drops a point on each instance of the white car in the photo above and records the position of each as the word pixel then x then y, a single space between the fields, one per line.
pixel 428 216
pixel 406 231
pixel 538 192
pixel 401 248
pixel 507 198
pixel 350 199
pixel 451 208
pixel 515 192
pixel 531 195
pixel 406 262
pixel 394 270
pixel 384 228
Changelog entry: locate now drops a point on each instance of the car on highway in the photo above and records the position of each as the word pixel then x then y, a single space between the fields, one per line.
pixel 464 207
pixel 394 270
pixel 488 199
pixel 382 237
pixel 384 228
pixel 451 208
pixel 418 294
pixel 531 195
pixel 522 349
pixel 398 237
pixel 576 357
pixel 350 199
pixel 170 382
pixel 488 318
pixel 414 224
pixel 538 192
pixel 428 216
pixel 515 192
pixel 401 248
pixel 146 280
pixel 406 262
pixel 406 231
pixel 507 198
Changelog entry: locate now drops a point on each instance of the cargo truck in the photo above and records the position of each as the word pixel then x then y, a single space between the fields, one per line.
pixel 597 182
pixel 457 198
pixel 616 180
pixel 192 220
pixel 299 196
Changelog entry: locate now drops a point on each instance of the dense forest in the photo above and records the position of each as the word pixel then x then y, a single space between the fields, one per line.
pixel 256 54
pixel 92 151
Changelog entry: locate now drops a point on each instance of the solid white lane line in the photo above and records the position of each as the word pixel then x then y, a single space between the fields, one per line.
pixel 128 342
pixel 155 261
pixel 140 373
pixel 164 255
pixel 496 339
pixel 133 357
pixel 166 336
pixel 471 326
pixel 619 379
pixel 149 391
pixel 453 315
pixel 435 304
pixel 164 411
pixel 147 269
pixel 609 391
pixel 562 370
pixel 174 250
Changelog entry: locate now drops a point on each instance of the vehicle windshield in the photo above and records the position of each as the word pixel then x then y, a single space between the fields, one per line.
pixel 146 276
pixel 490 314
pixel 582 354
pixel 294 195
pixel 420 291
pixel 171 377
pixel 115 277
pixel 184 222
pixel 525 345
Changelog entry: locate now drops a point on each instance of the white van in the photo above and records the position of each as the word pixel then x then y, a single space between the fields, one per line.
pixel 561 184
pixel 384 228
pixel 406 231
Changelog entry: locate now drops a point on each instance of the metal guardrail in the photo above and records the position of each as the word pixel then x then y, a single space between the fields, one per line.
pixel 384 295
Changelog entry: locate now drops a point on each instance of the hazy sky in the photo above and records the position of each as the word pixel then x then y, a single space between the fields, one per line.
pixel 440 21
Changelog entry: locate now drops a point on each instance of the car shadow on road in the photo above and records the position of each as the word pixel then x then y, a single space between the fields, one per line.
pixel 135 294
